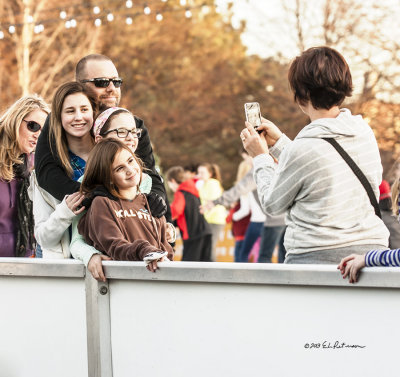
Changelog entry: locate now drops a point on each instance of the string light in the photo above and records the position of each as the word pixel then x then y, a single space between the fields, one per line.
pixel 38 28
pixel 72 22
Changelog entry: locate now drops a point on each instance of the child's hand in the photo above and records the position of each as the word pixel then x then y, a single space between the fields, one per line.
pixel 151 259
pixel 350 267
pixel 96 268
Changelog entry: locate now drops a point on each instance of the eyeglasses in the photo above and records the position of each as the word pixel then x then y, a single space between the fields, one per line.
pixel 102 82
pixel 123 133
pixel 32 126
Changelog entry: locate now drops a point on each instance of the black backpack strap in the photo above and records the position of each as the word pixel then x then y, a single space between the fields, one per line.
pixel 359 174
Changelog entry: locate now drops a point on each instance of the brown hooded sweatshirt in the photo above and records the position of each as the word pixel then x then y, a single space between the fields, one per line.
pixel 124 229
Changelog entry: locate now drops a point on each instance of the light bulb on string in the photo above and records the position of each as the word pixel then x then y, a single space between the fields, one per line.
pixel 129 4
pixel 1 34
pixel 96 10
pixel 30 19
pixel 129 20
pixel 97 22
pixel 159 17
pixel 63 14
pixel 73 23
pixel 67 24
pixel 147 10
pixel 188 13
pixel 183 2
pixel 110 17
pixel 164 1
pixel 11 29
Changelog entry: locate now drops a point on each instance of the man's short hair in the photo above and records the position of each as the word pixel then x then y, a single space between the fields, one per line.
pixel 322 76
pixel 80 69
pixel 175 173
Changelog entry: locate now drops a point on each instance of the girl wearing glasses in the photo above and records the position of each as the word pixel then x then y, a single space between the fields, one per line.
pixel 20 127
pixel 119 221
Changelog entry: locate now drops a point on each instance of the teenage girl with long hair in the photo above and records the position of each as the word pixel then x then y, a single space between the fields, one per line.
pixel 120 223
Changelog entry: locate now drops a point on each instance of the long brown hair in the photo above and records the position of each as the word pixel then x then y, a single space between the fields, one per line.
pixel 57 133
pixel 98 170
pixel 10 122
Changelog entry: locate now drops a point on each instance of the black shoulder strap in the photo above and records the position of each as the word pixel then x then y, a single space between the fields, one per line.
pixel 360 175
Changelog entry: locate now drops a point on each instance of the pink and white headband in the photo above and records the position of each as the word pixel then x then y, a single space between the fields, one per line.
pixel 103 117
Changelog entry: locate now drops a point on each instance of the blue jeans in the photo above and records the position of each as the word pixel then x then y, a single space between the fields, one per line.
pixel 38 253
pixel 270 237
pixel 252 233
pixel 238 245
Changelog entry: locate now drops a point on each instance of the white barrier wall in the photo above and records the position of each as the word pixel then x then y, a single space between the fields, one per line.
pixel 42 323
pixel 199 328
pixel 196 319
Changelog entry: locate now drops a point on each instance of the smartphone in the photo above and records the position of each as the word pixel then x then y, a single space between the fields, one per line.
pixel 253 114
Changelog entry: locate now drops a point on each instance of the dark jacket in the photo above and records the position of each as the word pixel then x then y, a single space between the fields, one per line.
pixel 185 210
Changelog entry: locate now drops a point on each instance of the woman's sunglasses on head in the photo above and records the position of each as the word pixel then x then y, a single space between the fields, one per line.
pixel 101 82
pixel 32 126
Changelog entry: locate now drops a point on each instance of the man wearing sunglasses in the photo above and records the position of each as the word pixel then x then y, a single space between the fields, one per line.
pixel 100 76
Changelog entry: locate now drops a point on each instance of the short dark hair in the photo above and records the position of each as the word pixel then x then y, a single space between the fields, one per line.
pixel 322 76
pixel 81 65
pixel 175 173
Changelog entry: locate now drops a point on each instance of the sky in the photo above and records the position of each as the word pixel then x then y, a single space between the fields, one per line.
pixel 270 31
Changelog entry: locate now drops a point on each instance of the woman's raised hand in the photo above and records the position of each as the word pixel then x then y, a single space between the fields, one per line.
pixel 255 143
pixel 271 132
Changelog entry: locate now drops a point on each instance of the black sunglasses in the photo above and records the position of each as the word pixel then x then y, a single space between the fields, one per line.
pixel 101 82
pixel 32 126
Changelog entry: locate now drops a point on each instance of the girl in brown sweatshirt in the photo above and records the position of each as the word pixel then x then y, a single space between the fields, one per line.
pixel 118 221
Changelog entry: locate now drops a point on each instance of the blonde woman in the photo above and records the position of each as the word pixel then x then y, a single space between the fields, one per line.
pixel 210 189
pixel 20 127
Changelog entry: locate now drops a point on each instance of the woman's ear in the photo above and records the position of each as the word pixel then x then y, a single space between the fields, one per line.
pixel 98 138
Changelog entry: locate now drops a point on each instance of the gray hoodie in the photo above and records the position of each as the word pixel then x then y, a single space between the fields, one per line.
pixel 327 206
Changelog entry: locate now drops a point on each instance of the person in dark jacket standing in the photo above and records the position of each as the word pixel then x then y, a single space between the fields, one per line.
pixel 100 77
pixel 185 209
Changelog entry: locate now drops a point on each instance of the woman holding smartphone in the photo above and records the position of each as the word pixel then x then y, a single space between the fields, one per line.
pixel 329 213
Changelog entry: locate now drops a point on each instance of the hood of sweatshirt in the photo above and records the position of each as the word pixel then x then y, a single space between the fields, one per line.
pixel 189 186
pixel 345 124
